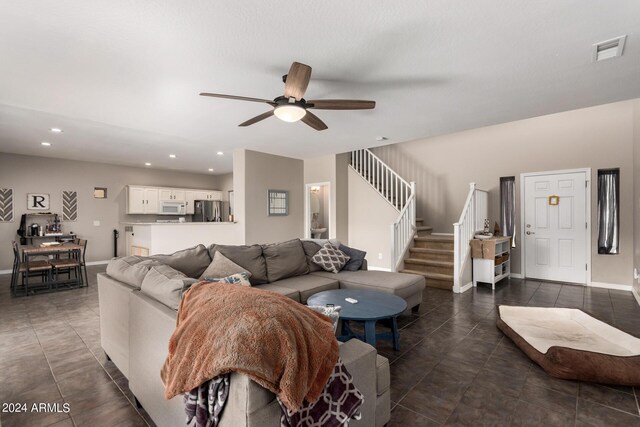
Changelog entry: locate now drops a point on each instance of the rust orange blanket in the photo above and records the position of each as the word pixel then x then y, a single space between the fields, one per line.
pixel 274 340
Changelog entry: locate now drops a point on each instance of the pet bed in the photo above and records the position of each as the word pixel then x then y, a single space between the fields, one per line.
pixel 568 343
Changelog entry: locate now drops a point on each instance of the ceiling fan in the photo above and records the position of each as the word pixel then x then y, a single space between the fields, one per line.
pixel 292 107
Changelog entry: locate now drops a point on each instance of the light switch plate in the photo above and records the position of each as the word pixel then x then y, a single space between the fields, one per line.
pixel 96 223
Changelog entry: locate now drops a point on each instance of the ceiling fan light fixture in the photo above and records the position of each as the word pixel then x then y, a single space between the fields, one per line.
pixel 289 113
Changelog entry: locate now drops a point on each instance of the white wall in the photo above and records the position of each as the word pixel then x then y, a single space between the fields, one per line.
pixel 370 218
pixel 29 174
pixel 597 137
pixel 636 192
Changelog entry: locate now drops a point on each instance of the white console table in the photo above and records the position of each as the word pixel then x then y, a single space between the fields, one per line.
pixel 495 263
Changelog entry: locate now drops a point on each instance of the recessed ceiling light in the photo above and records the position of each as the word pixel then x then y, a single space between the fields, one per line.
pixel 381 138
pixel 147 164
pixel 173 156
pixel 55 130
pixel 210 169
pixel 220 153
pixel 45 143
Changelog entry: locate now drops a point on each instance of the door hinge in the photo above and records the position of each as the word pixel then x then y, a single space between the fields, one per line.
pixel 586 267
pixel 586 225
pixel 586 184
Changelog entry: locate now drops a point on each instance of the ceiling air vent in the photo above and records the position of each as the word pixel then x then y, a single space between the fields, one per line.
pixel 608 49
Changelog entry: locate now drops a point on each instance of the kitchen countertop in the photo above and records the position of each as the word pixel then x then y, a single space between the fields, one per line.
pixel 177 223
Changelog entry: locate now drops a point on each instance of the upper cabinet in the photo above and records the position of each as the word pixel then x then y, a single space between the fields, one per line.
pixel 142 200
pixel 146 200
pixel 172 195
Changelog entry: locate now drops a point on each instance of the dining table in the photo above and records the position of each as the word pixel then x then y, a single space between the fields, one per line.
pixel 73 250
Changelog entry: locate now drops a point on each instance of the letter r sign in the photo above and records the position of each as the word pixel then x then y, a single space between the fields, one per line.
pixel 37 202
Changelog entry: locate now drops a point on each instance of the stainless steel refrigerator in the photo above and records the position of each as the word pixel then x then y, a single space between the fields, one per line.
pixel 207 211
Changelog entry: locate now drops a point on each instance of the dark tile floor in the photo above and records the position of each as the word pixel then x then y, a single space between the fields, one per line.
pixel 454 366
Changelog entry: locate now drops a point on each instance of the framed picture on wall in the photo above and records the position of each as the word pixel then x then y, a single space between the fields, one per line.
pixel 278 203
pixel 37 201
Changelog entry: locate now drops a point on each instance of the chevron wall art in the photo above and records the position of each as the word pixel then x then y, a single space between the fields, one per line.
pixel 69 206
pixel 6 205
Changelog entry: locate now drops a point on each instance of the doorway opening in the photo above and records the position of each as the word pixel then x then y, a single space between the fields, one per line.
pixel 556 225
pixel 318 210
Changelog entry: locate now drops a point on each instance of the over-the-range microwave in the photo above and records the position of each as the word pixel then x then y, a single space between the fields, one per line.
pixel 172 208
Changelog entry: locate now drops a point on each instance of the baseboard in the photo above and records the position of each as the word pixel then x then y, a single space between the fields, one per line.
pixel 615 286
pixel 516 276
pixel 466 287
pixel 89 263
pixel 636 294
pixel 369 267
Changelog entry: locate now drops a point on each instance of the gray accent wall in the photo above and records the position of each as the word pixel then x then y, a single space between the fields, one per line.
pixel 597 137
pixel 29 174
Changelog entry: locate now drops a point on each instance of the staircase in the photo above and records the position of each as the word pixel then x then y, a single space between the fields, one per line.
pixel 431 257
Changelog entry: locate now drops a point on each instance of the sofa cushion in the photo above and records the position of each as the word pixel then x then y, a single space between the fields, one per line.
pixel 286 259
pixel 356 257
pixel 288 292
pixel 130 270
pixel 221 266
pixel 401 284
pixel 310 249
pixel 330 258
pixel 383 380
pixel 241 278
pixel 166 285
pixel 191 261
pixel 247 257
pixel 309 285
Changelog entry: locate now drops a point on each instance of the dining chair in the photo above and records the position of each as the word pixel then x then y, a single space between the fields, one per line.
pixel 83 261
pixel 26 267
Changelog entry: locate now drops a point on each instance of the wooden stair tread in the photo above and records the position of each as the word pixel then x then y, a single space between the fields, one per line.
pixel 423 228
pixel 434 263
pixel 434 276
pixel 432 251
pixel 432 238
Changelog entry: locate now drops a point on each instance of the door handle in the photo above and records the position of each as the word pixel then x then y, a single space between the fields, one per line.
pixel 530 232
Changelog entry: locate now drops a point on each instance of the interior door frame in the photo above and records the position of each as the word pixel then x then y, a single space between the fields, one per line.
pixel 307 207
pixel 587 172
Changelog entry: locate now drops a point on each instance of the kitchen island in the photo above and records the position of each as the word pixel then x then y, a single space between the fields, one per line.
pixel 151 238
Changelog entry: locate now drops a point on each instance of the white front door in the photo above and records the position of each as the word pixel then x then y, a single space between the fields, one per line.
pixel 555 235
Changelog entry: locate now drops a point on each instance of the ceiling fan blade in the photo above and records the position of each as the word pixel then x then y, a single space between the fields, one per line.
pixel 341 104
pixel 313 121
pixel 297 81
pixel 256 119
pixel 239 98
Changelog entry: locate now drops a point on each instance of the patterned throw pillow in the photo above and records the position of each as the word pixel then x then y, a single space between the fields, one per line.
pixel 221 266
pixel 330 258
pixel 332 312
pixel 236 279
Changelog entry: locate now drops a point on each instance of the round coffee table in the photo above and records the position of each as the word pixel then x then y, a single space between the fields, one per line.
pixel 371 307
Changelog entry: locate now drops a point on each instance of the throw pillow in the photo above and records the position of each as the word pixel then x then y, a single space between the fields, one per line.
pixel 330 258
pixel 286 259
pixel 130 270
pixel 332 313
pixel 191 261
pixel 356 255
pixel 221 266
pixel 166 285
pixel 248 257
pixel 310 249
pixel 234 279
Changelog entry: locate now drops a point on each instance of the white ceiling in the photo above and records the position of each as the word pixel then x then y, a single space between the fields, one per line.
pixel 122 77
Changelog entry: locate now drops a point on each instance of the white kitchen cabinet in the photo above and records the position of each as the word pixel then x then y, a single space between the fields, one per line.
pixel 142 200
pixel 209 195
pixel 172 195
pixel 190 197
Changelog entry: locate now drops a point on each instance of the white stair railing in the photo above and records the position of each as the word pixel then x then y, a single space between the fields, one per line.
pixel 398 192
pixel 471 220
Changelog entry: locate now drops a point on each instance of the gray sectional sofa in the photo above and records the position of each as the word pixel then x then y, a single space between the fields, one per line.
pixel 136 322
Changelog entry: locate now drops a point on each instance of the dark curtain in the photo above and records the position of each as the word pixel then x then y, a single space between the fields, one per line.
pixel 608 211
pixel 508 207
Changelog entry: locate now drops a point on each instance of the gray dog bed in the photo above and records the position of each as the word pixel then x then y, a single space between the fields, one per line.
pixel 568 343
